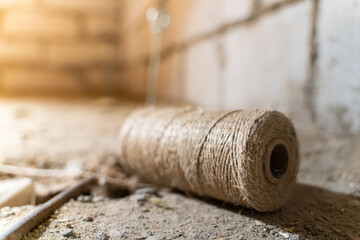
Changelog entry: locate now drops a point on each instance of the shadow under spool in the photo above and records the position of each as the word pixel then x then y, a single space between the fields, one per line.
pixel 245 157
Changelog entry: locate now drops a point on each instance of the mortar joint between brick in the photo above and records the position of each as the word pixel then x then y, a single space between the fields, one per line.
pixel 256 7
pixel 310 88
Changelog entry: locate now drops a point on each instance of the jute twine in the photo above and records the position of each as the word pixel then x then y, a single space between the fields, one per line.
pixel 245 157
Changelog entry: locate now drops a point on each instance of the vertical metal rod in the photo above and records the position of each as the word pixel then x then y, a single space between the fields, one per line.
pixel 154 69
pixel 158 20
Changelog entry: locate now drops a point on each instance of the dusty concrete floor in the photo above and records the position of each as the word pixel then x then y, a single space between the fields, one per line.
pixel 325 203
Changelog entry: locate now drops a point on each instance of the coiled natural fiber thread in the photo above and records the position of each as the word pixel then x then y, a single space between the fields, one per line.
pixel 245 157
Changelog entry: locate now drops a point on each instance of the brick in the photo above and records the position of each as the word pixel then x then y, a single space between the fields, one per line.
pixel 96 26
pixel 170 79
pixel 190 19
pixel 20 52
pixel 135 46
pixel 235 10
pixel 102 81
pixel 36 24
pixel 134 81
pixel 16 192
pixel 267 61
pixel 17 4
pixel 338 72
pixel 84 6
pixel 135 31
pixel 202 74
pixel 39 81
pixel 78 54
pixel 134 12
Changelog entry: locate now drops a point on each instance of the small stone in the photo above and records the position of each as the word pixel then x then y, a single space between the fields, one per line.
pixel 88 219
pixel 68 233
pixel 145 191
pixel 98 199
pixel 84 198
pixel 116 234
pixel 194 235
pixel 284 234
pixel 140 197
pixel 158 202
pixel 259 223
pixel 262 235
pixel 69 226
pixel 272 232
pixel 103 236
pixel 295 237
pixel 152 238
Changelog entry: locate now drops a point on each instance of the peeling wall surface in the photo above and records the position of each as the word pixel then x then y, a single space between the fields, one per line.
pixel 301 57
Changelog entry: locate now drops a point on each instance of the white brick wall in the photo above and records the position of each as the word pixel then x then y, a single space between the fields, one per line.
pixel 171 78
pixel 249 54
pixel 235 10
pixel 232 68
pixel 190 19
pixel 264 69
pixel 201 76
pixel 338 66
pixel 225 54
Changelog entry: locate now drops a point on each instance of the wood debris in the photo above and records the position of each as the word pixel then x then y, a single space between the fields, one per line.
pixel 16 192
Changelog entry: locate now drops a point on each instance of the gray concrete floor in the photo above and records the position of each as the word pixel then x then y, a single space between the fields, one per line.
pixel 324 205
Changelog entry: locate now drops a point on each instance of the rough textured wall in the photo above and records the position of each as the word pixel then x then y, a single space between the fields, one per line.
pixel 227 54
pixel 337 76
pixel 297 56
pixel 59 46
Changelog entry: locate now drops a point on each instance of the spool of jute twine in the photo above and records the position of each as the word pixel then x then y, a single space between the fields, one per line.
pixel 245 157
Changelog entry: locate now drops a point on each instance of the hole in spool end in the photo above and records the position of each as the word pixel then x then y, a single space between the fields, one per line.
pixel 279 160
